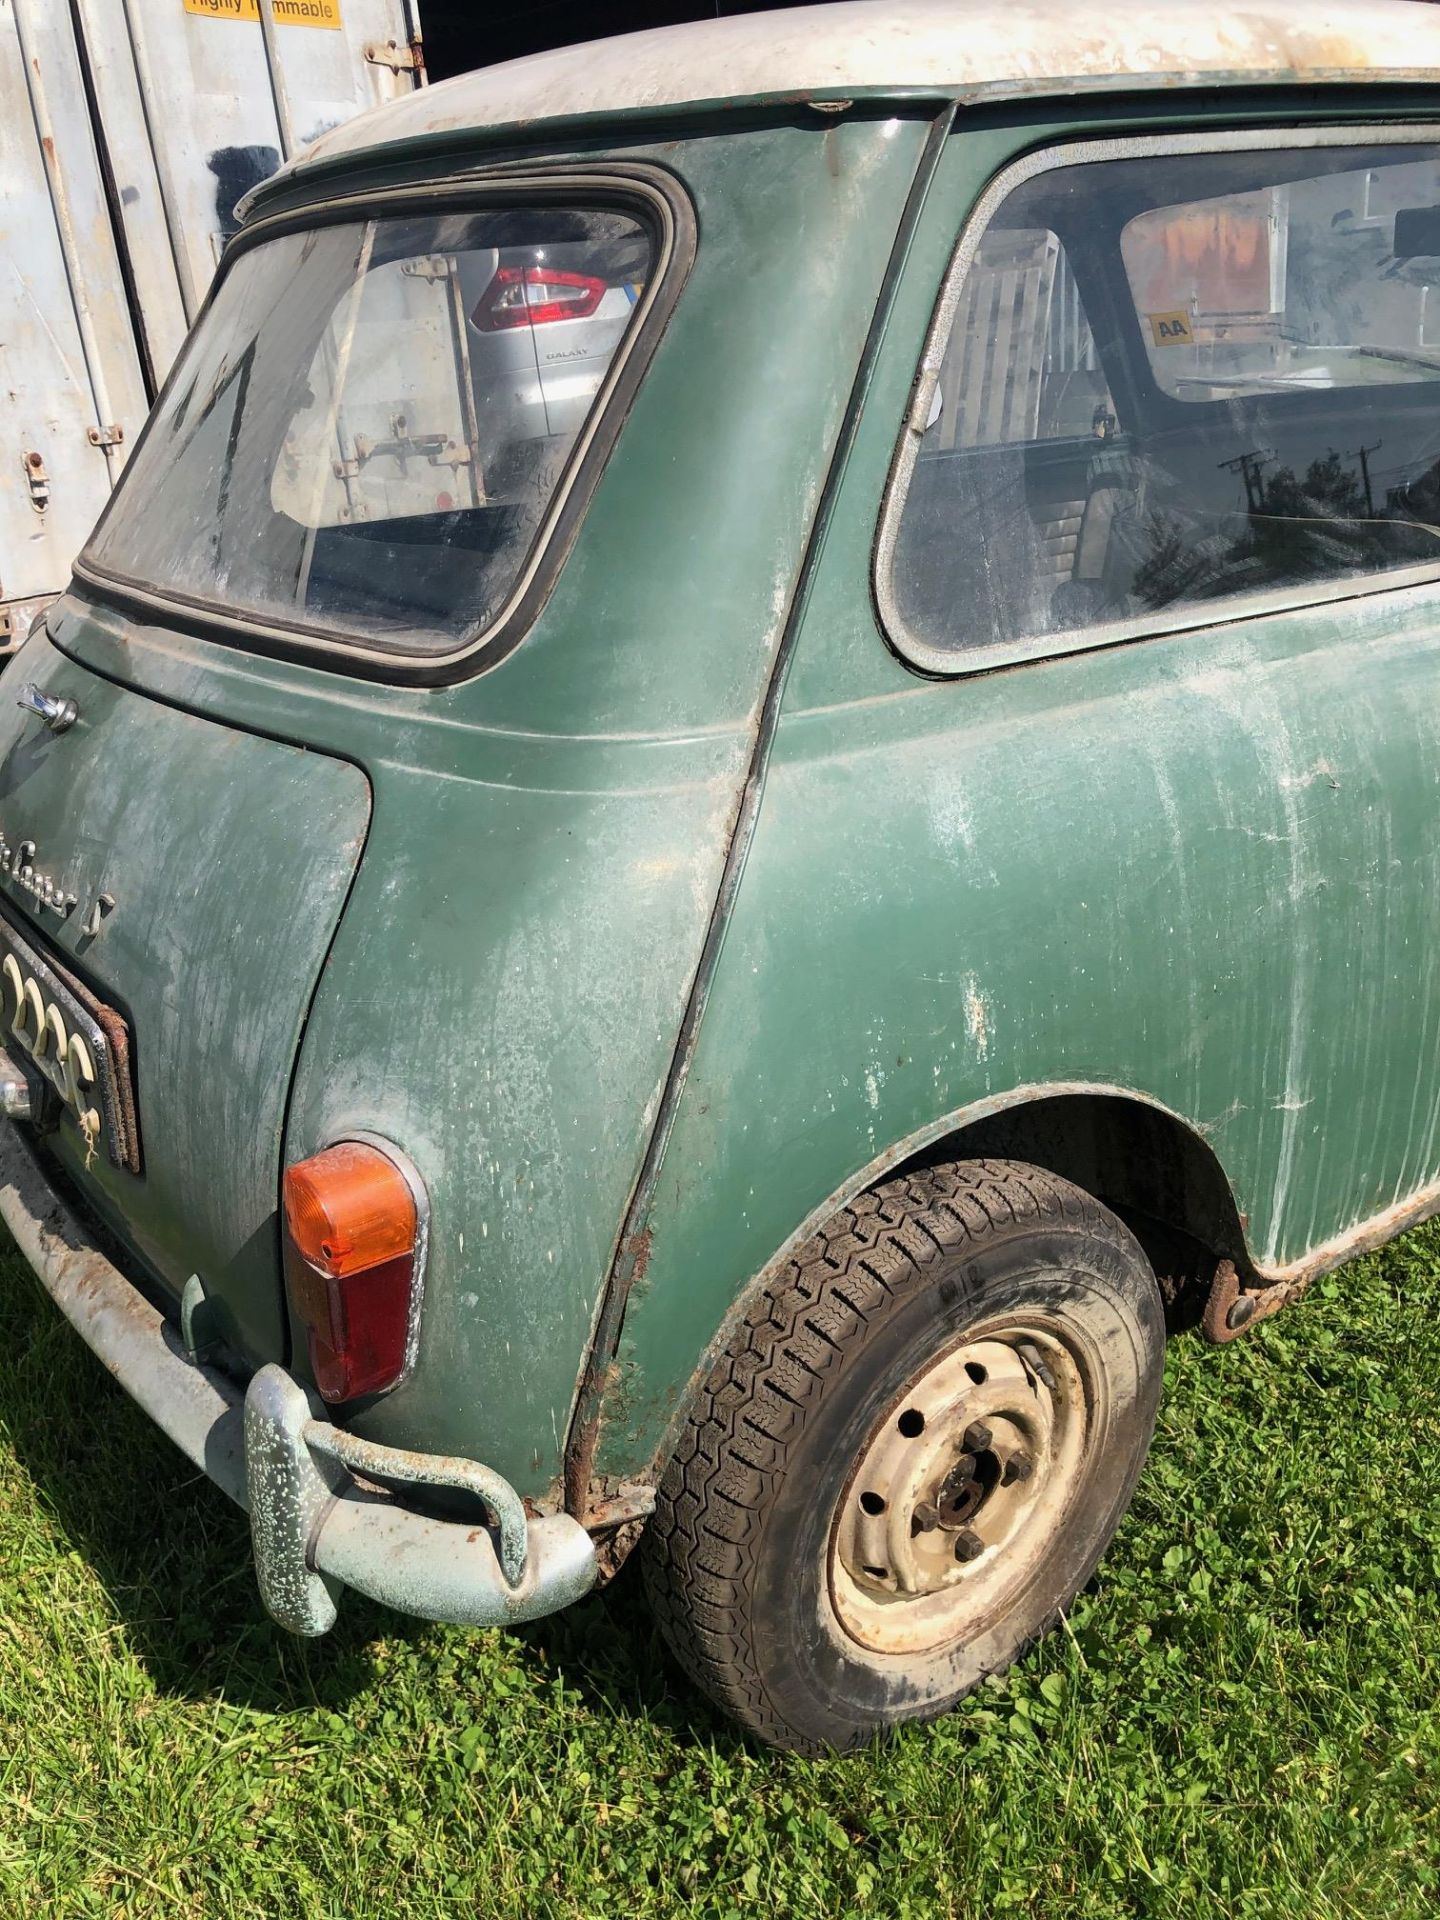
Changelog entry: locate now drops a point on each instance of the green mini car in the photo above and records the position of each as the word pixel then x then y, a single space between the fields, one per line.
pixel 748 776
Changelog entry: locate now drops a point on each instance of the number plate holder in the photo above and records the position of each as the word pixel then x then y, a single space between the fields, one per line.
pixel 73 1049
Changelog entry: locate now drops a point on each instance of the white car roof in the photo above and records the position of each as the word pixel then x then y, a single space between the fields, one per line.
pixel 961 46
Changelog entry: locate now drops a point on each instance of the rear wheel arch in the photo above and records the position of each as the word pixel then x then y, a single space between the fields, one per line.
pixel 1137 1157
pixel 1140 1159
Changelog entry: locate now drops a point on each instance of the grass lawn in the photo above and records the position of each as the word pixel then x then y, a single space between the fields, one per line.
pixel 1241 1718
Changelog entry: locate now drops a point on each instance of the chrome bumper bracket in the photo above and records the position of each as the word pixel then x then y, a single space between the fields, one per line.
pixel 289 1490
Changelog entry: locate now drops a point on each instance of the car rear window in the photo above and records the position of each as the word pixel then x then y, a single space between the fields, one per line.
pixel 1171 380
pixel 371 425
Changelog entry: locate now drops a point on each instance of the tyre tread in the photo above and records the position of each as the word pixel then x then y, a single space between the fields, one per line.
pixel 786 1353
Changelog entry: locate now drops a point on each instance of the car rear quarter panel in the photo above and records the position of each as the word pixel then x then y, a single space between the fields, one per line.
pixel 503 995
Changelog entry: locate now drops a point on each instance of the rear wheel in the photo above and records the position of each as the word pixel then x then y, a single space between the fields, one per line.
pixel 916 1448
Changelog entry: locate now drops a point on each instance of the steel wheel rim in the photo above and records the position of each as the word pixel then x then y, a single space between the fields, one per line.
pixel 926 1551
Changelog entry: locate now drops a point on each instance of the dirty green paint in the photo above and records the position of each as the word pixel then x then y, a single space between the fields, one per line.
pixel 1196 867
pixel 228 858
pixel 1200 868
pixel 503 995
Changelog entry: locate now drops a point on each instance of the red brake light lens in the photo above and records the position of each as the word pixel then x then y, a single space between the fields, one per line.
pixel 533 296
pixel 351 1234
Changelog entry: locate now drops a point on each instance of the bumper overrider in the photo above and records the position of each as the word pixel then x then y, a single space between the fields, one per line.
pixel 327 1509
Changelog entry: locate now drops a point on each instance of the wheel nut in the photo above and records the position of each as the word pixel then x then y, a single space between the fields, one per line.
pixel 925 1518
pixel 1018 1467
pixel 976 1437
pixel 968 1544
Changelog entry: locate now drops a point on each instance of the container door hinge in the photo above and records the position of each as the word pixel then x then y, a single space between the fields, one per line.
pixel 399 59
pixel 105 436
pixel 38 477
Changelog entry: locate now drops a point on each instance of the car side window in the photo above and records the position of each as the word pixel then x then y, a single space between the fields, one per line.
pixel 1169 380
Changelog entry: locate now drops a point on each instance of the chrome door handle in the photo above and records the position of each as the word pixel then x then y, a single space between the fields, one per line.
pixel 55 710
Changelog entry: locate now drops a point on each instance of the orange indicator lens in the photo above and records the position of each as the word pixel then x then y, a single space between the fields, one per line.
pixel 348 1209
pixel 351 1229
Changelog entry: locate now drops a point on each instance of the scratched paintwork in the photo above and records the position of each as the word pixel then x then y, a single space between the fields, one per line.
pixel 1201 869
pixel 502 998
pixel 211 842
pixel 862 47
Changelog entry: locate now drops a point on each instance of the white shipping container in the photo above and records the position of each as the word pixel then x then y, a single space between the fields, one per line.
pixel 128 130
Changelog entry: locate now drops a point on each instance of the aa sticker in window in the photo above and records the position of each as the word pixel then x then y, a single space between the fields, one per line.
pixel 1171 329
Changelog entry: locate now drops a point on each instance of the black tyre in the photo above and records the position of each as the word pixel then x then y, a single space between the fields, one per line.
pixel 916 1448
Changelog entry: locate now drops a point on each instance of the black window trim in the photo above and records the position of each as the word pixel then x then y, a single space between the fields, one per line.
pixel 956 663
pixel 637 188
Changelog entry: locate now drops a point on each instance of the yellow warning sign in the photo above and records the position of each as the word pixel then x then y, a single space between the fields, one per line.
pixel 1171 329
pixel 288 13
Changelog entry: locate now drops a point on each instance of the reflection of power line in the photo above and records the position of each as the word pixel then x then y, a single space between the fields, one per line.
pixel 1248 466
pixel 1362 454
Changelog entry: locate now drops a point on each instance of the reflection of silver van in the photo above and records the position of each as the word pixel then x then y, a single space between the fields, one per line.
pixel 508 328
pixel 543 323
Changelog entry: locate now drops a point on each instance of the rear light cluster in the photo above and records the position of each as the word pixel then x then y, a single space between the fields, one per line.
pixel 352 1231
pixel 532 296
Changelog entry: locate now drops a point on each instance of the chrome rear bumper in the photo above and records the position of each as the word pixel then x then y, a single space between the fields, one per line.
pixel 314 1526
